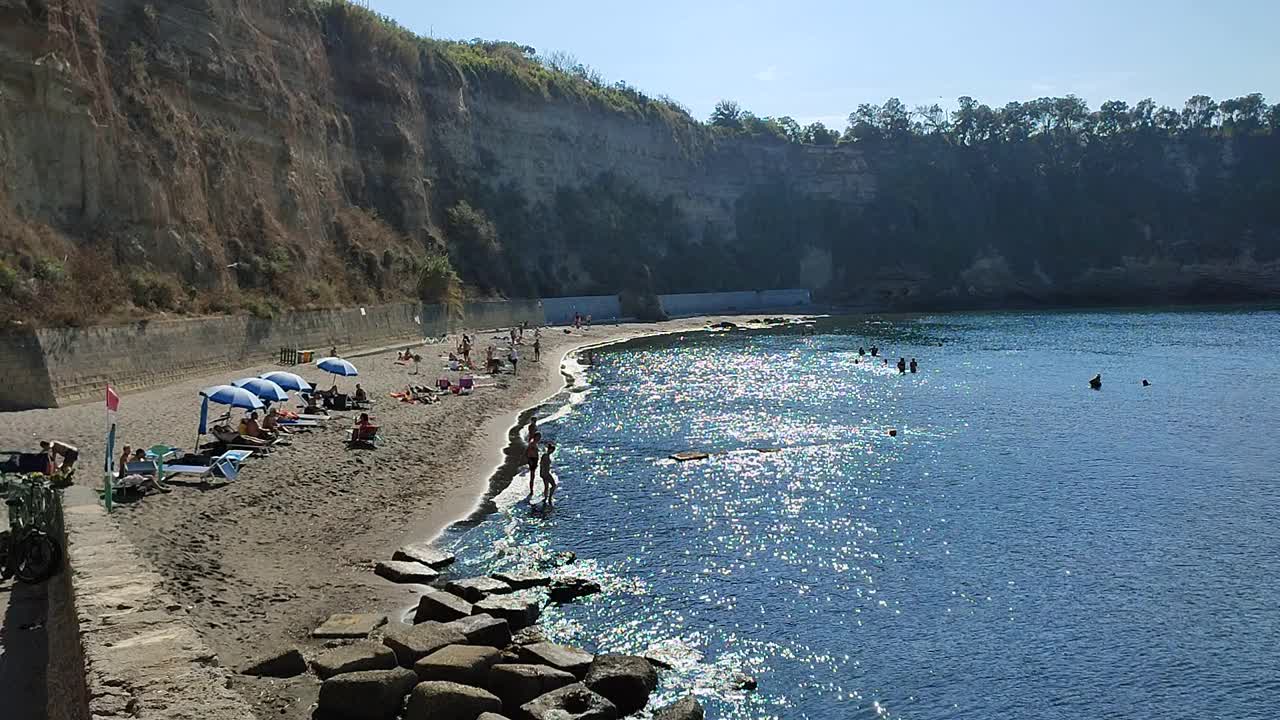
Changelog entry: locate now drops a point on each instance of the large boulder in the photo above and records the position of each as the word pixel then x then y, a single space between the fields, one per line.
pixel 517 684
pixel 522 580
pixel 441 606
pixel 465 664
pixel 686 708
pixel 568 589
pixel 424 553
pixel 625 680
pixel 562 657
pixel 282 663
pixel 531 635
pixel 518 611
pixel 353 658
pixel 491 716
pixel 477 588
pixel 572 702
pixel 404 571
pixel 441 700
pixel 365 695
pixel 483 630
pixel 411 644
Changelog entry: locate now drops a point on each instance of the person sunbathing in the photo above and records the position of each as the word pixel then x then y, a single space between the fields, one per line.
pixel 360 394
pixel 250 428
pixel 271 424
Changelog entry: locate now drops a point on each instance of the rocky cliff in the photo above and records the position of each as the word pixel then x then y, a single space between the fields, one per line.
pixel 225 155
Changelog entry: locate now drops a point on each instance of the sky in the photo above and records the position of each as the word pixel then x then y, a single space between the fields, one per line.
pixel 818 60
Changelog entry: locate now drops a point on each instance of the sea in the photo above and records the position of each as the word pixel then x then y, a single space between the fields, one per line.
pixel 986 538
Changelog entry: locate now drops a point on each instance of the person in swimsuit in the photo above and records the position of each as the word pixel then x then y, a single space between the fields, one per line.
pixel 531 454
pixel 548 480
pixel 914 366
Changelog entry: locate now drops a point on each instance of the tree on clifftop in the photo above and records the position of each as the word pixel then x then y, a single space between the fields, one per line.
pixel 728 114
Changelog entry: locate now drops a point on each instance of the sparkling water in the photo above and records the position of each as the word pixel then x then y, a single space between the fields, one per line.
pixel 1024 547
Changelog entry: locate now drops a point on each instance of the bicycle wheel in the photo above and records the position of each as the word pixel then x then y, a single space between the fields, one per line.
pixel 38 556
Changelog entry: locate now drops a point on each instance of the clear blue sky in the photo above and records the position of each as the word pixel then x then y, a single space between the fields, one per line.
pixel 818 59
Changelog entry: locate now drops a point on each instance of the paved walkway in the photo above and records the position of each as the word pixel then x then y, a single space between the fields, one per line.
pixel 24 650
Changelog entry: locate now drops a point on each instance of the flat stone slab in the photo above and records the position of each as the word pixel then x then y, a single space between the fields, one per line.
pixel 353 658
pixel 477 588
pixel 411 644
pixel 572 702
pixel 465 664
pixel 343 625
pixel 443 700
pixel 483 630
pixel 523 580
pixel 426 554
pixel 519 683
pixel 562 657
pixel 441 606
pixel 519 612
pixel 568 589
pixel 405 571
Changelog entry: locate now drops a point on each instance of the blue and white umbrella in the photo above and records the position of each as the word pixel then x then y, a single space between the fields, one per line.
pixel 265 389
pixel 233 396
pixel 337 366
pixel 288 381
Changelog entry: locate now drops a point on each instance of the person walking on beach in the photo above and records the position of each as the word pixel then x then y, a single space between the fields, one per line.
pixel 514 357
pixel 531 453
pixel 548 480
pixel 537 348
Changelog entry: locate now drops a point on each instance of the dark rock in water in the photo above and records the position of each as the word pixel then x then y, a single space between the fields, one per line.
pixel 560 559
pixel 283 663
pixel 519 612
pixel 658 662
pixel 565 590
pixel 625 680
pixel 414 643
pixel 523 580
pixel 441 606
pixel 424 553
pixel 725 325
pixel 353 658
pixel 518 683
pixel 572 702
pixel 686 708
pixel 344 625
pixel 483 630
pixel 405 571
pixel 562 657
pixel 531 635
pixel 477 588
pixel 465 664
pixel 442 700
pixel 688 455
pixel 742 681
pixel 365 695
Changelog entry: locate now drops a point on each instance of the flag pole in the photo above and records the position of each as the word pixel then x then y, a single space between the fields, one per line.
pixel 108 473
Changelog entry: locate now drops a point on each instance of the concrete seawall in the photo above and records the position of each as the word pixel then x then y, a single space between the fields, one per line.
pixel 53 367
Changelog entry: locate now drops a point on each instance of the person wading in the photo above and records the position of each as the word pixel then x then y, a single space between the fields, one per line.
pixel 531 453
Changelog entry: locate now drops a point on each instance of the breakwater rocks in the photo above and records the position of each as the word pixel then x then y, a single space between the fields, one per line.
pixel 473 651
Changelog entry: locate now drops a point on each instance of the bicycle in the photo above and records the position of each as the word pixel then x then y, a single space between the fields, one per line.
pixel 27 550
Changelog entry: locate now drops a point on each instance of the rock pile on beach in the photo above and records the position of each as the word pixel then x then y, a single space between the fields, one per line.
pixel 473 652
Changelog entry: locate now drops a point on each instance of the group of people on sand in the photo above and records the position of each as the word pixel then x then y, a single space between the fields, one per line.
pixel 903 365
pixel 540 464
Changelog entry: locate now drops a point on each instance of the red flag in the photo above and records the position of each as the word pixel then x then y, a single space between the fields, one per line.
pixel 113 400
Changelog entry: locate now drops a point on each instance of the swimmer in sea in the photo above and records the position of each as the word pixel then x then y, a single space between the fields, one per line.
pixel 1096 382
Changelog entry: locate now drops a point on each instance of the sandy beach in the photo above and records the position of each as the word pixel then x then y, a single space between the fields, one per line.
pixel 258 563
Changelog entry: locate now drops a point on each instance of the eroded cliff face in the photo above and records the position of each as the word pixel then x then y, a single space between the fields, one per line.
pixel 229 155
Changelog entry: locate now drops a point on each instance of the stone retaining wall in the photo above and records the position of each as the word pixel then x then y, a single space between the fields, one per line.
pixel 141 658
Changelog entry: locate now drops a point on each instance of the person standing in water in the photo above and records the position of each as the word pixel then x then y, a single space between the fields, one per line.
pixel 548 480
pixel 902 366
pixel 874 351
pixel 861 351
pixel 1096 382
pixel 913 366
pixel 531 453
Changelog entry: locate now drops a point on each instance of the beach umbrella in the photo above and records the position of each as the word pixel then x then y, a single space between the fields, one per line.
pixel 265 389
pixel 337 366
pixel 223 395
pixel 233 396
pixel 288 381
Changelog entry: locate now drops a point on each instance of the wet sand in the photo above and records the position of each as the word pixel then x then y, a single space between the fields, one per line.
pixel 259 562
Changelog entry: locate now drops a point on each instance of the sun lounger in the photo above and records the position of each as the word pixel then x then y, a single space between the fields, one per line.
pixel 301 423
pixel 366 436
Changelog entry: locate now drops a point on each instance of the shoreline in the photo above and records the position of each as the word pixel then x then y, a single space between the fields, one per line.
pixel 258 563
